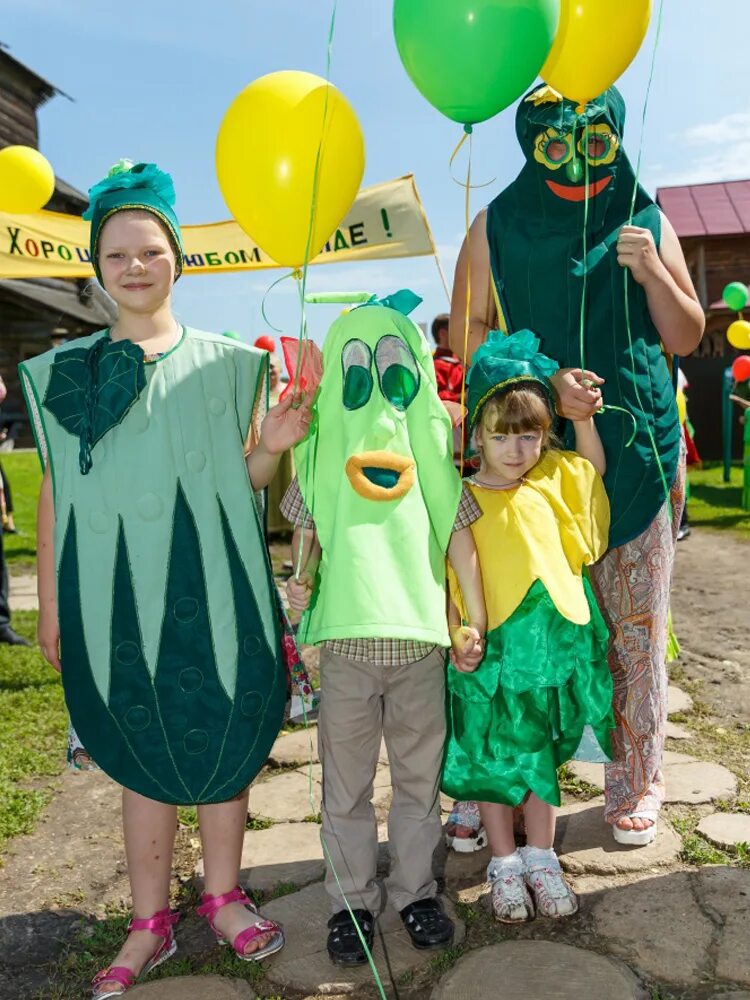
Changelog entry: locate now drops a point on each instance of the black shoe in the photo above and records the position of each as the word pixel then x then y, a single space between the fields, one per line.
pixel 427 924
pixel 12 638
pixel 343 944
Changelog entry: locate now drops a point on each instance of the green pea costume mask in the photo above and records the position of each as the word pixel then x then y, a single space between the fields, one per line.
pixel 377 474
pixel 535 232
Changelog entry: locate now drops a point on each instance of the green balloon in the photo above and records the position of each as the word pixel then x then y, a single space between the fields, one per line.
pixel 473 58
pixel 736 295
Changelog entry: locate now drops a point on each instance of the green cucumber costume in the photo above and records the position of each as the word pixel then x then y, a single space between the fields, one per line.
pixel 169 628
pixel 376 473
pixel 535 236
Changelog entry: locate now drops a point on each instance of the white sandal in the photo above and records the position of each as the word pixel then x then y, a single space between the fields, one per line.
pixel 637 838
pixel 553 896
pixel 511 901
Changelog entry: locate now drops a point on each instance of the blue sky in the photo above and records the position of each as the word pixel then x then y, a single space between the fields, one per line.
pixel 152 81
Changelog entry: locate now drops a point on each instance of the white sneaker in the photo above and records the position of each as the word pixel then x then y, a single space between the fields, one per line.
pixel 511 902
pixel 544 876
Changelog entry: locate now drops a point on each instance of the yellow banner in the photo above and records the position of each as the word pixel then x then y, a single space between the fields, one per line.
pixel 387 220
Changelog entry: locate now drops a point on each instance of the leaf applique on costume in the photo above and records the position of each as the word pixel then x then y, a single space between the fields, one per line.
pixel 91 389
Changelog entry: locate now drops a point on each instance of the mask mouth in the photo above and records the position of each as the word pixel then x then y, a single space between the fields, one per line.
pixel 577 192
pixel 380 475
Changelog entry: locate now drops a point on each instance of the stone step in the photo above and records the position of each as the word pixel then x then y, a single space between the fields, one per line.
pixel 726 829
pixel 194 988
pixel 304 965
pixel 285 797
pixel 678 700
pixel 538 969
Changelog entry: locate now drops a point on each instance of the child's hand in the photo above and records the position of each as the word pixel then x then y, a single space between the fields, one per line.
pixel 468 649
pixel 286 423
pixel 299 591
pixel 48 635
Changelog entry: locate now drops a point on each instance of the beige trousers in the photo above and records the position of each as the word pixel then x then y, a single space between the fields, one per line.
pixel 360 703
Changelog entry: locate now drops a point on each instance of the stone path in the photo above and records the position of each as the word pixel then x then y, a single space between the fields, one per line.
pixel 23 593
pixel 648 921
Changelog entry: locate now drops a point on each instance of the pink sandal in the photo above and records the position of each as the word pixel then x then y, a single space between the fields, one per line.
pixel 210 906
pixel 161 925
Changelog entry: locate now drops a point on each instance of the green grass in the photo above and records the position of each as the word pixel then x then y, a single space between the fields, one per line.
pixel 25 476
pixel 716 504
pixel 32 734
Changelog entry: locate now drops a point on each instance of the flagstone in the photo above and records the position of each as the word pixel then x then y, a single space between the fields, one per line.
pixel 678 700
pixel 298 747
pixel 538 969
pixel 194 988
pixel 675 732
pixel 304 964
pixel 285 797
pixel 585 844
pixel 688 780
pixel 726 829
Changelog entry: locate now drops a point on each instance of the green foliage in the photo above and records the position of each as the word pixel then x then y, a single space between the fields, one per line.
pixel 716 504
pixel 25 476
pixel 33 731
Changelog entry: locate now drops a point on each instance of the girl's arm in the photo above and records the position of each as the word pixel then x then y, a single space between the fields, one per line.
pixel 48 630
pixel 589 444
pixel 284 425
pixel 462 553
pixel 299 588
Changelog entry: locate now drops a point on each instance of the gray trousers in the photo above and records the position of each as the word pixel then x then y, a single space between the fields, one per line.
pixel 361 702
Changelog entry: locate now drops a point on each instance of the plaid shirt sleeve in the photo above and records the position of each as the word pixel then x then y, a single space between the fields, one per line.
pixel 468 511
pixel 293 506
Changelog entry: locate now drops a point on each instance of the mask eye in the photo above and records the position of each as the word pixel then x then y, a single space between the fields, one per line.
pixel 553 149
pixel 601 145
pixel 356 368
pixel 398 372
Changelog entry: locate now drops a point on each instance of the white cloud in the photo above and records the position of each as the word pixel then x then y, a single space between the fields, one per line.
pixel 723 154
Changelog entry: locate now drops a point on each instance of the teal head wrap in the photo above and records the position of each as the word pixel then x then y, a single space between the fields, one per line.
pixel 503 362
pixel 129 187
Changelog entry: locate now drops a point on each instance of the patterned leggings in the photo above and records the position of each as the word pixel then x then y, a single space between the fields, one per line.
pixel 632 584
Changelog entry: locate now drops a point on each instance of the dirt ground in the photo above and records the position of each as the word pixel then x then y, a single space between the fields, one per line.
pixel 711 614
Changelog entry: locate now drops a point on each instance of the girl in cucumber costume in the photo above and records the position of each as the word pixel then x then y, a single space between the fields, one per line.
pixel 156 595
pixel 527 271
pixel 376 504
pixel 543 692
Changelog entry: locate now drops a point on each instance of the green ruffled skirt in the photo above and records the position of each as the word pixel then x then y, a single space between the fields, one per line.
pixel 541 696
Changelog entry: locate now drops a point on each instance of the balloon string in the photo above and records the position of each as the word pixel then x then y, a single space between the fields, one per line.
pixel 267 292
pixel 586 200
pixel 467 243
pixel 467 135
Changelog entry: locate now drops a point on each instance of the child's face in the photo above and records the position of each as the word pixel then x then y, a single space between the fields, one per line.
pixel 136 261
pixel 509 456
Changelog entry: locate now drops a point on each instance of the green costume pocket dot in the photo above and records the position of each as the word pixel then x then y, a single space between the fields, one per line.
pixel 196 461
pixel 191 680
pixel 251 704
pixel 251 645
pixel 196 741
pixel 127 653
pixel 98 521
pixel 217 406
pixel 186 610
pixel 138 718
pixel 149 506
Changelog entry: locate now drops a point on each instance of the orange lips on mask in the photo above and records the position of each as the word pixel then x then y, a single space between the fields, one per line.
pixel 380 475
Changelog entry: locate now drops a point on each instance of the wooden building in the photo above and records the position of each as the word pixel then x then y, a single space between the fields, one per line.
pixel 34 313
pixel 712 222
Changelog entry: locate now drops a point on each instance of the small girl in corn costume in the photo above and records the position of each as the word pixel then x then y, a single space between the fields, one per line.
pixel 543 691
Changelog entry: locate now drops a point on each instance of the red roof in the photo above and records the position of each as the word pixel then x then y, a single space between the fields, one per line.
pixel 707 209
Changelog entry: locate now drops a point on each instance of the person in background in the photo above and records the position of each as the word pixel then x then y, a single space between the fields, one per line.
pixel 7 634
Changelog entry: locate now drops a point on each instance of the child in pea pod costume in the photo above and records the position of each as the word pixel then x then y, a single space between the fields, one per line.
pixel 530 267
pixel 376 505
pixel 156 595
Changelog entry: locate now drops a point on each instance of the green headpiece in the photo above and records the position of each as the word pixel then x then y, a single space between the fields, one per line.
pixel 503 362
pixel 127 186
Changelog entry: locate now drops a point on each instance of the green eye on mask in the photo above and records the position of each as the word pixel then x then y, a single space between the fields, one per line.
pixel 356 366
pixel 398 373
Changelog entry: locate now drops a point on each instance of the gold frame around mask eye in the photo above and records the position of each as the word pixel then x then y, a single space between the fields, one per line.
pixel 544 139
pixel 605 132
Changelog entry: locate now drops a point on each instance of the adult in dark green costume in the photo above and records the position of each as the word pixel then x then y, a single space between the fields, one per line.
pixel 156 595
pixel 531 266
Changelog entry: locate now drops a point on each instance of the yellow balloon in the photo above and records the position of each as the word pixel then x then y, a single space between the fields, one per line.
pixel 596 41
pixel 27 181
pixel 738 334
pixel 266 152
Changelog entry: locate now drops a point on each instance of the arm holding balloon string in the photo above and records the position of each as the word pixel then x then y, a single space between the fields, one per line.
pixel 663 274
pixel 306 553
pixel 467 635
pixel 283 426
